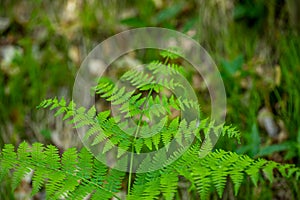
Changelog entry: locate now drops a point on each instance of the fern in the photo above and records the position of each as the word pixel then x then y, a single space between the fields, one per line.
pixel 77 175
pixel 73 175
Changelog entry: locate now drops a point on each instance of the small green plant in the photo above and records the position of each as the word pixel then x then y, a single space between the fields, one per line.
pixel 148 105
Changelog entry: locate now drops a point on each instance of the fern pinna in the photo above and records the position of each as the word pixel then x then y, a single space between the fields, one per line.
pixel 142 122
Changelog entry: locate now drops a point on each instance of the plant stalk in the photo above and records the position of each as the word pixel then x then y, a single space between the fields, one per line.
pixel 132 146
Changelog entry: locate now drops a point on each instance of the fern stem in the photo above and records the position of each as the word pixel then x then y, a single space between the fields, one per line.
pixel 132 146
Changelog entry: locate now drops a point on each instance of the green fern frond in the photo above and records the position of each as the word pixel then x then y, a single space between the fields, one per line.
pixel 172 53
pixel 202 180
pixel 138 79
pixel 77 175
pixel 169 184
pixel 217 166
pixel 158 67
pixel 71 176
pixel 236 173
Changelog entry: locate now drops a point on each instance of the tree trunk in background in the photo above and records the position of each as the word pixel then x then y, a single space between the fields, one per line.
pixel 294 13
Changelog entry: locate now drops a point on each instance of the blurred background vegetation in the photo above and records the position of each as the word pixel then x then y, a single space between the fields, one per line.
pixel 255 44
